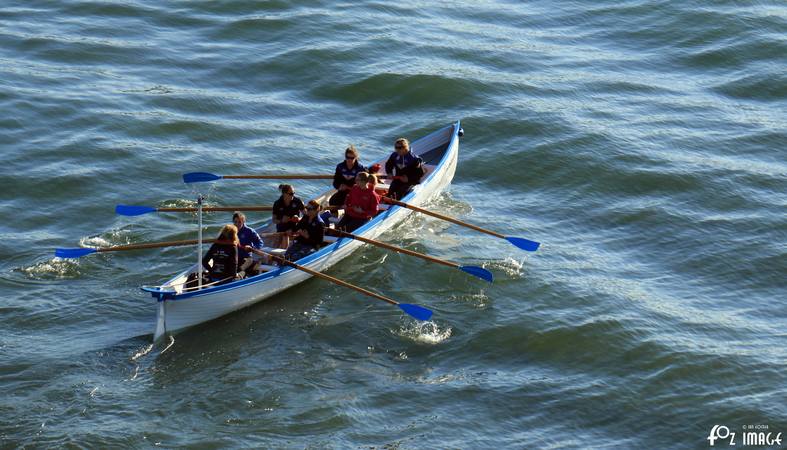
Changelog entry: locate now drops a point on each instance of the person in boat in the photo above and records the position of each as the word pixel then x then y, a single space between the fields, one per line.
pixel 247 237
pixel 361 204
pixel 404 168
pixel 344 177
pixel 224 254
pixel 286 213
pixel 308 234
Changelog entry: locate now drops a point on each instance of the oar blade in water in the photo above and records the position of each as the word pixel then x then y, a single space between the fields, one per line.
pixel 73 252
pixel 419 312
pixel 524 244
pixel 198 177
pixel 131 210
pixel 479 272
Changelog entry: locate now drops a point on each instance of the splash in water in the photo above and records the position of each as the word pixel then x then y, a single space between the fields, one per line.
pixel 116 236
pixel 479 299
pixel 142 352
pixel 424 332
pixel 94 241
pixel 511 267
pixel 52 269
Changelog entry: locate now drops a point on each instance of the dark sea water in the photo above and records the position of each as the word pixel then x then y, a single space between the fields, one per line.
pixel 643 143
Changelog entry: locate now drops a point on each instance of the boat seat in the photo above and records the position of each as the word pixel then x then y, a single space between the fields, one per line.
pixel 383 207
pixel 330 239
pixel 274 251
pixel 381 189
pixel 267 268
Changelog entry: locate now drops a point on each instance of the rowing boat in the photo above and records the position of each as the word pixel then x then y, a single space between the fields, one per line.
pixel 180 307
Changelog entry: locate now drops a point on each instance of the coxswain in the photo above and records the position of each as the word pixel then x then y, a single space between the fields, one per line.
pixel 224 254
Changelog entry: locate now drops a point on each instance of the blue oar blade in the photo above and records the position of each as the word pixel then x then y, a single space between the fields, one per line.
pixel 419 312
pixel 198 177
pixel 73 252
pixel 479 272
pixel 524 244
pixel 131 210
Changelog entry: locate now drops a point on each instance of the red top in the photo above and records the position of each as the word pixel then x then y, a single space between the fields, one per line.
pixel 365 199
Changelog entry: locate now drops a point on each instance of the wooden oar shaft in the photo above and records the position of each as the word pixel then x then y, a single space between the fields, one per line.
pixel 293 176
pixel 218 208
pixel 304 176
pixel 328 277
pixel 440 216
pixel 394 248
pixel 118 248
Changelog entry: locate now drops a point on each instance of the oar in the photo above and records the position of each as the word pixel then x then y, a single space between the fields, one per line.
pixel 133 210
pixel 82 251
pixel 479 272
pixel 198 177
pixel 418 312
pixel 524 244
pixel 78 252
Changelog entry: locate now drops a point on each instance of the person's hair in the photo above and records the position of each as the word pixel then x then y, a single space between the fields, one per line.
pixel 362 177
pixel 229 233
pixel 351 149
pixel 238 215
pixel 372 180
pixel 402 141
pixel 285 188
pixel 314 204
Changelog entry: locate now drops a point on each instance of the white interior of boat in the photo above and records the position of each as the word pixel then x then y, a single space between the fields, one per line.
pixel 177 285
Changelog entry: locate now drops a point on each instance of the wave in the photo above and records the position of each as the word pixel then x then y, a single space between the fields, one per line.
pixel 770 87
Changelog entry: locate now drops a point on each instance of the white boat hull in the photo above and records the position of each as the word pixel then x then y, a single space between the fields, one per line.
pixel 178 310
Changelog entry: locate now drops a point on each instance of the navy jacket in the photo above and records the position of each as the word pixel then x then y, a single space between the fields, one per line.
pixel 409 165
pixel 280 209
pixel 316 229
pixel 346 176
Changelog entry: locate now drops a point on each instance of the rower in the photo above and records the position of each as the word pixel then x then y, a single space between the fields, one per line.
pixel 344 177
pixel 308 234
pixel 247 237
pixel 404 168
pixel 361 203
pixel 286 213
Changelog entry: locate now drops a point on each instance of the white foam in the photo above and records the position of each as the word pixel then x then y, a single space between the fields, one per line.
pixel 57 267
pixel 512 267
pixel 425 332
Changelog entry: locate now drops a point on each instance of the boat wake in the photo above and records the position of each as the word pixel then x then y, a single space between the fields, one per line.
pixel 447 204
pixel 144 351
pixel 424 332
